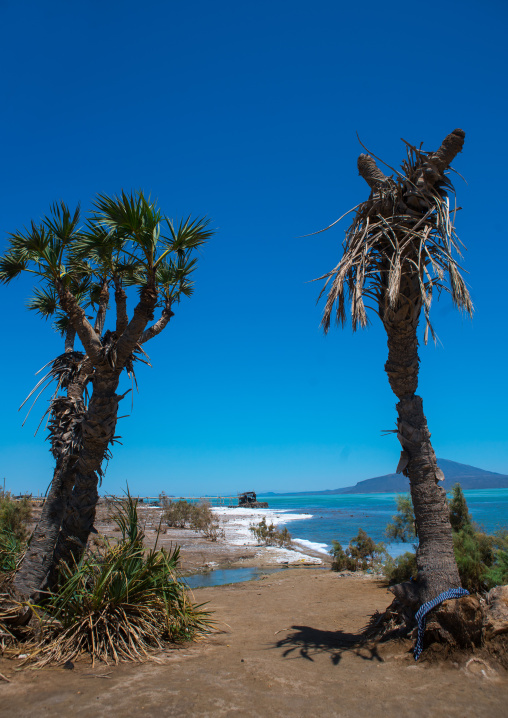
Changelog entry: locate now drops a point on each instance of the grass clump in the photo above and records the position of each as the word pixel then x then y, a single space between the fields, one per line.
pixel 269 535
pixel 362 554
pixel 198 517
pixel 118 604
pixel 14 517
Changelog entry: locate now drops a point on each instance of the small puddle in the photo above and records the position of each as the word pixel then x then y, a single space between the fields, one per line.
pixel 221 576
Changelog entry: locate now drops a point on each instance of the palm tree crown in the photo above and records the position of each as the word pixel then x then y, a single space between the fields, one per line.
pixel 401 246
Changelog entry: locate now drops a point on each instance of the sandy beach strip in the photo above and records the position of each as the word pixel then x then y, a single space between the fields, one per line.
pixel 238 548
pixel 237 522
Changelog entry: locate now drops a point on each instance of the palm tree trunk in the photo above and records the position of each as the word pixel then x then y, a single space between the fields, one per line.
pixel 98 430
pixel 437 568
pixel 65 429
pixel 31 578
pixel 98 427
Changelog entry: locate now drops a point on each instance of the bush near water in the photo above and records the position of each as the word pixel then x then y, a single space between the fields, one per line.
pixel 269 535
pixel 362 554
pixel 198 517
pixel 482 559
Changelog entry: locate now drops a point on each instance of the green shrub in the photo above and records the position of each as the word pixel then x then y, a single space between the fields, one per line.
pixel 199 517
pixel 269 534
pixel 11 550
pixel 362 554
pixel 460 517
pixel 403 526
pixel 205 521
pixel 474 554
pixel 400 569
pixel 340 559
pixel 481 558
pixel 177 513
pixel 119 603
pixel 365 553
pixel 497 574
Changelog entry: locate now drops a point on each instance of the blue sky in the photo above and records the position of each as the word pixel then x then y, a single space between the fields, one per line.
pixel 248 112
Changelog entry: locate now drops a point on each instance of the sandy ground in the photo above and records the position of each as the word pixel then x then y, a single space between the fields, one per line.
pixel 287 645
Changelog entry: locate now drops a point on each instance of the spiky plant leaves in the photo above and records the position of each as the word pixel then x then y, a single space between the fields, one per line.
pixel 11 549
pixel 44 301
pixel 119 605
pixel 61 222
pixel 11 266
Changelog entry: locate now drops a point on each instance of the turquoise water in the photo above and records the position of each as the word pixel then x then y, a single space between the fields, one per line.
pixel 340 516
pixel 220 577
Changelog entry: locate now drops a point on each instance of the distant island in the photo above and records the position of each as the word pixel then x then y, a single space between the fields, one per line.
pixel 469 477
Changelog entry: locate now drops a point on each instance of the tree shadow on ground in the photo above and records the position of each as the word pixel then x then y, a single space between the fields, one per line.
pixel 306 642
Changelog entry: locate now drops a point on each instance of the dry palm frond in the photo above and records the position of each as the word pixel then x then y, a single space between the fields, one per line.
pixel 401 245
pixel 8 612
pixel 13 617
pixel 63 371
pixel 120 605
pixel 65 417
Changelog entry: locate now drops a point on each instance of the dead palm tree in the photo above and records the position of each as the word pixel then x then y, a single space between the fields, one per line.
pixel 400 249
pixel 123 245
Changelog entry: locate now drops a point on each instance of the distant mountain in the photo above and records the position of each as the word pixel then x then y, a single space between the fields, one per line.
pixel 469 477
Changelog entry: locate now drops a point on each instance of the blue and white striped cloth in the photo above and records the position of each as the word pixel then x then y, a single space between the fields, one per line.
pixel 421 615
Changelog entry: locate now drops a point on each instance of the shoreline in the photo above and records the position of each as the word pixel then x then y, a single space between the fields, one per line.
pixel 237 521
pixel 238 548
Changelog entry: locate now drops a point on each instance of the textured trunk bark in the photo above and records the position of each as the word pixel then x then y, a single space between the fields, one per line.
pixel 437 568
pixel 98 430
pixel 32 576
pixel 98 427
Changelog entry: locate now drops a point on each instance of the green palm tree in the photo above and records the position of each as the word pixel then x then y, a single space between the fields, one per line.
pixel 71 373
pixel 127 242
pixel 399 250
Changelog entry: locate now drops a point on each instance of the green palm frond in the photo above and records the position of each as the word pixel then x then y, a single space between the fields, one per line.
pixel 134 275
pixel 38 247
pixel 61 323
pixel 121 242
pixel 130 213
pixel 94 293
pixel 31 243
pixel 99 245
pixel 191 234
pixel 44 301
pixel 173 277
pixel 11 266
pixel 134 217
pixel 61 223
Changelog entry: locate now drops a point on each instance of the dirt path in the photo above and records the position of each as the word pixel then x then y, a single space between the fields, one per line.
pixel 287 648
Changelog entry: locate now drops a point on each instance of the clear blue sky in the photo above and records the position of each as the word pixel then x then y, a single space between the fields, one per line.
pixel 248 112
